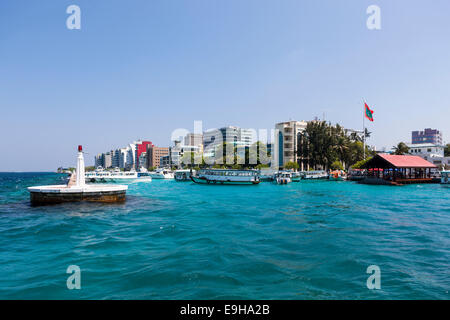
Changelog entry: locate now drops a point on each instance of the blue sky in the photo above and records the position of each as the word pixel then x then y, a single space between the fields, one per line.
pixel 140 69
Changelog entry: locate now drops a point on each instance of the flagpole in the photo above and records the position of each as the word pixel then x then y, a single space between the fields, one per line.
pixel 364 129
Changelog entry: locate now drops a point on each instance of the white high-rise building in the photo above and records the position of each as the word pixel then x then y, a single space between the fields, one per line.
pixel 230 134
pixel 107 160
pixel 177 152
pixel 131 156
pixel 123 152
pixel 287 142
pixel 193 139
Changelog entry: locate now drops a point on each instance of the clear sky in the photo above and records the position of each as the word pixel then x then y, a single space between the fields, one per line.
pixel 140 69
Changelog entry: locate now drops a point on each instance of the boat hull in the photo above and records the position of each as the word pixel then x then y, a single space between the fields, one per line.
pixel 112 180
pixel 46 198
pixel 222 182
pixel 315 179
pixel 44 195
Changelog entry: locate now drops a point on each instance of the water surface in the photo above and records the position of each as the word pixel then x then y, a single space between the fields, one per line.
pixel 179 240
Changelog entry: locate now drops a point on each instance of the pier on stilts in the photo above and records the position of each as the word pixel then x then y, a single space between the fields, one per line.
pixel 386 169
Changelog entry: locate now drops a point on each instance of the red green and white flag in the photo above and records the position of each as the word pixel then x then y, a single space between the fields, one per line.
pixel 367 112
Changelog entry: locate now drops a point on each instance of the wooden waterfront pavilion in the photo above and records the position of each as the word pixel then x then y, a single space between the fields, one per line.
pixel 398 169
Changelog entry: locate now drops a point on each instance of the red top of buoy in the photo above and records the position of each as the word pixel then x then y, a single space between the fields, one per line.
pixel 80 148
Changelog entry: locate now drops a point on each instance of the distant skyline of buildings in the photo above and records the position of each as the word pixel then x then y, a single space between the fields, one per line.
pixel 284 147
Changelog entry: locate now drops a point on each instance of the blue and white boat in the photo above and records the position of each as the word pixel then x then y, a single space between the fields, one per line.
pixel 226 176
pixel 102 176
pixel 445 178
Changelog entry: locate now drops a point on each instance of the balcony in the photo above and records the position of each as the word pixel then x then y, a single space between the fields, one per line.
pixel 288 146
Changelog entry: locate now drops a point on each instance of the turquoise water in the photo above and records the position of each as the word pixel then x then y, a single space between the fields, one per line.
pixel 178 240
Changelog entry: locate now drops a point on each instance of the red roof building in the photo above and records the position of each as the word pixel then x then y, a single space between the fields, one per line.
pixel 398 169
pixel 406 161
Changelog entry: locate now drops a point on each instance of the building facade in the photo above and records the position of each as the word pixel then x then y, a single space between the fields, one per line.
pixel 154 155
pixel 193 139
pixel 107 160
pixel 287 143
pixel 178 151
pixel 428 135
pixel 234 135
pixel 433 153
pixel 141 146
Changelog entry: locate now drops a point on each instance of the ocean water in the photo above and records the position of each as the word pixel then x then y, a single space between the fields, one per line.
pixel 179 240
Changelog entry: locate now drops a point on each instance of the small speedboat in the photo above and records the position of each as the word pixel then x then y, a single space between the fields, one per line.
pixel 282 177
pixel 162 173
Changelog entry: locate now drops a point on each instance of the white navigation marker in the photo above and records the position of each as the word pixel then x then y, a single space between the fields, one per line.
pixel 80 182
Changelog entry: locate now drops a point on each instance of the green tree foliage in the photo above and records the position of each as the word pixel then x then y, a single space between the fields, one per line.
pixel 241 157
pixel 291 165
pixel 322 144
pixel 337 165
pixel 401 149
pixel 360 163
pixel 447 150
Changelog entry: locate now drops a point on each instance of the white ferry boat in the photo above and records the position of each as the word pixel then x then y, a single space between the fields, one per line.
pixel 101 175
pixel 184 175
pixel 226 176
pixel 314 175
pixel 162 173
pixel 445 177
pixel 283 177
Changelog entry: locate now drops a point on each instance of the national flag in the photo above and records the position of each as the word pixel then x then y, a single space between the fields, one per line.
pixel 367 112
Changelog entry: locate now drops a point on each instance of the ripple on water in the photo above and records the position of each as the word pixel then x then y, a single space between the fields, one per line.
pixel 184 241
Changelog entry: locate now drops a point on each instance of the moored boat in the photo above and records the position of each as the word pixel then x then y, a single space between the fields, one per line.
pixel 445 178
pixel 184 175
pixel 226 176
pixel 337 175
pixel 296 176
pixel 162 173
pixel 101 175
pixel 315 175
pixel 266 174
pixel 283 177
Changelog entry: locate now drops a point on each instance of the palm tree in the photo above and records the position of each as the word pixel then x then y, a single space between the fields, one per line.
pixel 401 149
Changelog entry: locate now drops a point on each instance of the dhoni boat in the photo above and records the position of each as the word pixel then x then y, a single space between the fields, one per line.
pixel 226 176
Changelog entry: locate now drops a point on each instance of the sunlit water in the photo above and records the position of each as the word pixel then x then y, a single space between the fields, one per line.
pixel 179 240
